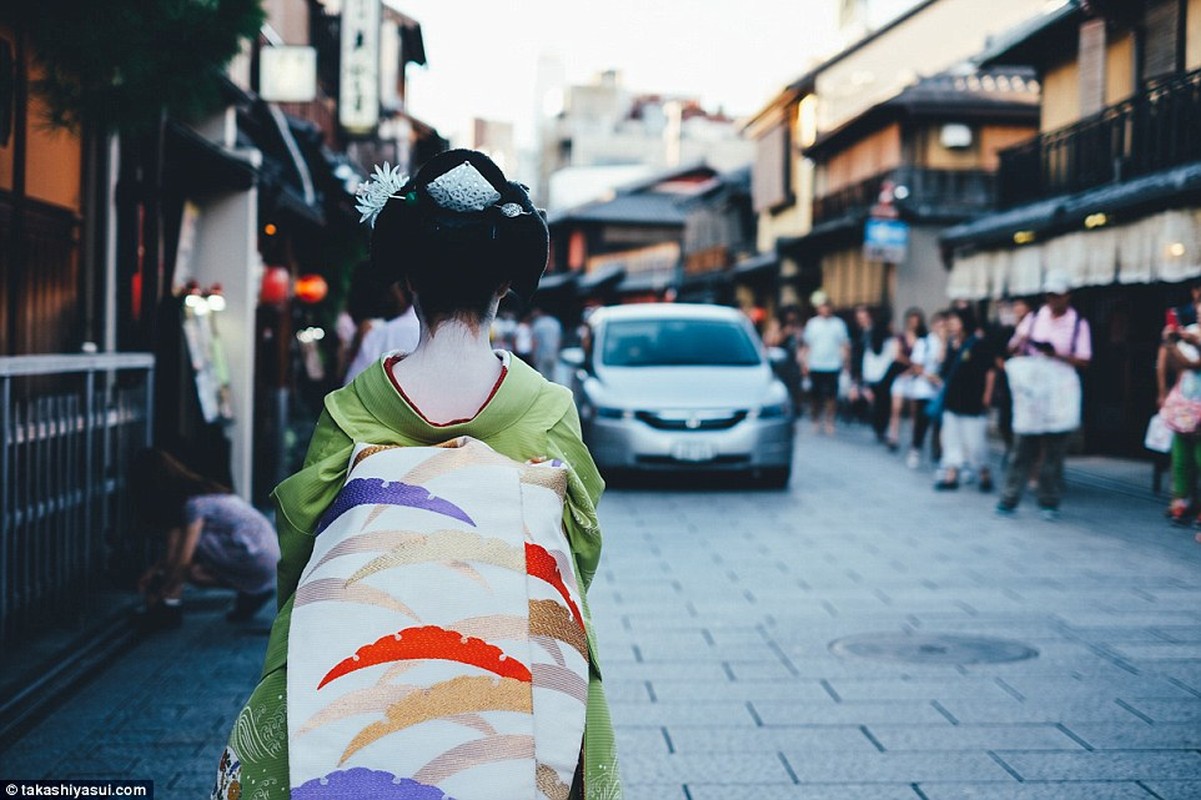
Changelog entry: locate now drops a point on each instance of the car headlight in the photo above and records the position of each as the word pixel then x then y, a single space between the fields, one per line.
pixel 775 410
pixel 776 405
pixel 606 412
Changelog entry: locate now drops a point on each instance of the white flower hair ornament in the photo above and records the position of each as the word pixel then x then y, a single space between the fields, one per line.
pixel 375 193
pixel 462 189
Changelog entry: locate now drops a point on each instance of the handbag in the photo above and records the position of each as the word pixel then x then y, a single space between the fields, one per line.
pixel 1181 411
pixel 1159 436
pixel 1047 394
pixel 937 404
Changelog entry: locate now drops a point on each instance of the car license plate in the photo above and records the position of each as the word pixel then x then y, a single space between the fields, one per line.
pixel 693 451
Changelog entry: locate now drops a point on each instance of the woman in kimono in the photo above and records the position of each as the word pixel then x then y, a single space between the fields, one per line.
pixel 461 236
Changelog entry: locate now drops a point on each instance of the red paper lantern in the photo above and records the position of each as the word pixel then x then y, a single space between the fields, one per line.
pixel 311 289
pixel 274 289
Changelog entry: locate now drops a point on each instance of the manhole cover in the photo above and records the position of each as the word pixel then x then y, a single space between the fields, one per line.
pixel 932 648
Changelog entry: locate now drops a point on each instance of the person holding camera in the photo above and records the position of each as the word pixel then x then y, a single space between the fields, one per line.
pixel 1058 334
pixel 1179 403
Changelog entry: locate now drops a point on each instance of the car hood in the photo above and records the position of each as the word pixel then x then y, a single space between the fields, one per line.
pixel 654 388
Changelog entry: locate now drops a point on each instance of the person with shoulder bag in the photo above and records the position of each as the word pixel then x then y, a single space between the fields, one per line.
pixel 963 401
pixel 1049 348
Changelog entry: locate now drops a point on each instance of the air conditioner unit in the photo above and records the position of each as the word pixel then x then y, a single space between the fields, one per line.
pixel 955 136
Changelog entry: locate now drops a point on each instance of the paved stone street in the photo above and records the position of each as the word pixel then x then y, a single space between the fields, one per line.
pixel 716 610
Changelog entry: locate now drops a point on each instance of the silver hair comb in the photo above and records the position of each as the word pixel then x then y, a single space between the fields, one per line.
pixel 463 189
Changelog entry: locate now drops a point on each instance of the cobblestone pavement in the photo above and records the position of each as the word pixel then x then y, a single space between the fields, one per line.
pixel 716 609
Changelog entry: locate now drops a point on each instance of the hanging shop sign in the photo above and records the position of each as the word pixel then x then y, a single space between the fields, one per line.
pixel 288 74
pixel 885 240
pixel 358 96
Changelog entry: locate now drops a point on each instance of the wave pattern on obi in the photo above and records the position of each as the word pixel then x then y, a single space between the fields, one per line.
pixel 436 647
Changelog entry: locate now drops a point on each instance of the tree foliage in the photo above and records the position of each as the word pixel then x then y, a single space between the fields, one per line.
pixel 121 63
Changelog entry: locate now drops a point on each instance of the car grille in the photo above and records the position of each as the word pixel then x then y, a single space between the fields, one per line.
pixel 691 423
pixel 670 461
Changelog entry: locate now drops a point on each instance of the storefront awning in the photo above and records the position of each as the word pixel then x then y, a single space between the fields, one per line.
pixel 756 266
pixel 287 176
pixel 557 282
pixel 1161 247
pixel 600 279
pixel 645 282
pixel 1173 188
pixel 200 166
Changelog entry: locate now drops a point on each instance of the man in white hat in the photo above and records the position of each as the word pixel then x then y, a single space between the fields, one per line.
pixel 1058 331
pixel 825 349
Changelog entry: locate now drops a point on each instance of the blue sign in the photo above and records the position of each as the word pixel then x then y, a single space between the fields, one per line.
pixel 885 240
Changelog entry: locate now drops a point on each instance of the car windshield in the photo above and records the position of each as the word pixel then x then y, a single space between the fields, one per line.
pixel 677 343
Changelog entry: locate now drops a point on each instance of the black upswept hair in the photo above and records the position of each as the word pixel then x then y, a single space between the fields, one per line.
pixel 455 262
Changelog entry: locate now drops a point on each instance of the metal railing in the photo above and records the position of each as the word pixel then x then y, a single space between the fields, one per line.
pixel 69 427
pixel 1155 129
pixel 940 193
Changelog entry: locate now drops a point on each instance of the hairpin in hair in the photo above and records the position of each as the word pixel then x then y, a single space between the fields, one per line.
pixel 374 194
pixel 463 189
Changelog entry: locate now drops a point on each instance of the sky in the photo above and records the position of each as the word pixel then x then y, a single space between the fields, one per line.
pixel 733 54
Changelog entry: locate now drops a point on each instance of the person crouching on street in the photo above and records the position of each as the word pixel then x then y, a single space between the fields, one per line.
pixel 213 538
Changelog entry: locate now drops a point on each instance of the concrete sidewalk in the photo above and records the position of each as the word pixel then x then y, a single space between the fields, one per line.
pixel 716 610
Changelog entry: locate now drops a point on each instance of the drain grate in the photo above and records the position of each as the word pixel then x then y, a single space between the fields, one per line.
pixel 932 648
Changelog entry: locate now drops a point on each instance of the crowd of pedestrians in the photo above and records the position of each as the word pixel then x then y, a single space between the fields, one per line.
pixel 932 386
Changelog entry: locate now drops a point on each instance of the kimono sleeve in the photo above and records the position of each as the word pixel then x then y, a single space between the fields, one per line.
pixel 584 487
pixel 301 499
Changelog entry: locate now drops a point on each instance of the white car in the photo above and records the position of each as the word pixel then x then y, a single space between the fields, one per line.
pixel 667 386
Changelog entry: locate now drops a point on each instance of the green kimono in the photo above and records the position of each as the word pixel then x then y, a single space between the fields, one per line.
pixel 527 417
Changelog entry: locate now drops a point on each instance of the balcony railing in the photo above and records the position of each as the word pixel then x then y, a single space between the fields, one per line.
pixel 1154 130
pixel 942 194
pixel 69 426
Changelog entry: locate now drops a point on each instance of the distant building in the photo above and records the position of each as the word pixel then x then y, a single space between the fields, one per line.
pixel 672 236
pixel 914 163
pixel 603 125
pixel 921 40
pixel 1109 192
pixel 496 139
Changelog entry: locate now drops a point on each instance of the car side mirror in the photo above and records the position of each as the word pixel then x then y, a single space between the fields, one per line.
pixel 777 355
pixel 573 357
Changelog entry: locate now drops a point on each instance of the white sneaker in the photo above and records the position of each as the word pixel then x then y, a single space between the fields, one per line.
pixel 914 459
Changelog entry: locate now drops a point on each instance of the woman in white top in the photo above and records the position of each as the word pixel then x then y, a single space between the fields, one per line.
pixel 879 367
pixel 920 382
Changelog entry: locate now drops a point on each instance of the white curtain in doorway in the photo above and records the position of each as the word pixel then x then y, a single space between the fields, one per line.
pixel 998 273
pixel 1136 251
pixel 959 281
pixel 1177 256
pixel 1066 254
pixel 1026 270
pixel 1100 256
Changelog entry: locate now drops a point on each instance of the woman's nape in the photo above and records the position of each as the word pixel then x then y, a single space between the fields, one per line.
pixel 453 370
